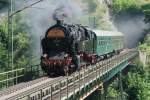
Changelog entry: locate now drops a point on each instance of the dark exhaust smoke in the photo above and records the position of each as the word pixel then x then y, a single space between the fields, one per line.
pixel 133 27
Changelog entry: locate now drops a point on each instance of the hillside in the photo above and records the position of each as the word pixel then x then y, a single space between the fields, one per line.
pixel 145 47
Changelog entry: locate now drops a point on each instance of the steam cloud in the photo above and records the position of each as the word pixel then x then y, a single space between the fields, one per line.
pixel 59 14
pixel 133 28
pixel 43 15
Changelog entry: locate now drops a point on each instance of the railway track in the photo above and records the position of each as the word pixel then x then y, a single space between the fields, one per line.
pixel 21 86
pixel 90 76
pixel 42 82
pixel 45 83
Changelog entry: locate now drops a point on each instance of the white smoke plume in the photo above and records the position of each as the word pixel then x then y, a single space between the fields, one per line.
pixel 41 16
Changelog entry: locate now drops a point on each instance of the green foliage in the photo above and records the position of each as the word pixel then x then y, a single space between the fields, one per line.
pixel 136 84
pixel 146 10
pixel 3 57
pixel 97 15
pixel 137 67
pixel 145 47
pixel 92 5
pixel 21 44
pixel 101 14
pixel 126 6
pixel 113 90
pixel 147 68
pixel 146 6
pixel 3 47
pixel 137 87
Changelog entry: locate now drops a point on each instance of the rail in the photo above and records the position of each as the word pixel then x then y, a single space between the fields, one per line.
pixel 65 87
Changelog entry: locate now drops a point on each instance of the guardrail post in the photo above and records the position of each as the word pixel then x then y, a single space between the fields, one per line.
pixel 60 90
pixel 116 60
pixel 107 67
pixel 79 80
pixel 110 65
pixel 67 85
pixel 92 73
pixel 74 84
pixel 51 93
pixel 87 77
pixel 99 70
pixel 96 71
pixel 7 81
pixel 107 63
pixel 41 94
pixel 102 68
pixel 16 77
pixel 113 61
pixel 84 76
pixel 23 74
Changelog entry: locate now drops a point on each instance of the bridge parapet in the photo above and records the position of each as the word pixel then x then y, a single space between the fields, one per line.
pixel 10 77
pixel 80 84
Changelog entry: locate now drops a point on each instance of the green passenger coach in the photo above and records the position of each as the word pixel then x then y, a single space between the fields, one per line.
pixel 108 41
pixel 104 43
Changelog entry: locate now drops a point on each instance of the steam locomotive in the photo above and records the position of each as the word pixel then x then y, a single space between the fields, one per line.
pixel 67 48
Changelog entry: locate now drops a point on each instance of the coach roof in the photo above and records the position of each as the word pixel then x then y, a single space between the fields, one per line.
pixel 107 33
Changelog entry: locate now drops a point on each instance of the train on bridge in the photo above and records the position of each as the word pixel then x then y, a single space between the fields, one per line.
pixel 67 47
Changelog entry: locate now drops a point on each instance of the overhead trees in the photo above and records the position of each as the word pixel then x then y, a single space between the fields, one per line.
pixel 146 10
pixel 21 44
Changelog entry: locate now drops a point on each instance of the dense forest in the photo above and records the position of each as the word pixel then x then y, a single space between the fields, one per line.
pixel 21 44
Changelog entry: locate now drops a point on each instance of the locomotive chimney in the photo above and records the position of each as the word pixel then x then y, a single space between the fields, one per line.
pixel 59 15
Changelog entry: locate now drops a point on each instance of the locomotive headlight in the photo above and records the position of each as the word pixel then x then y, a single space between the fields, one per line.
pixel 44 55
pixel 66 55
